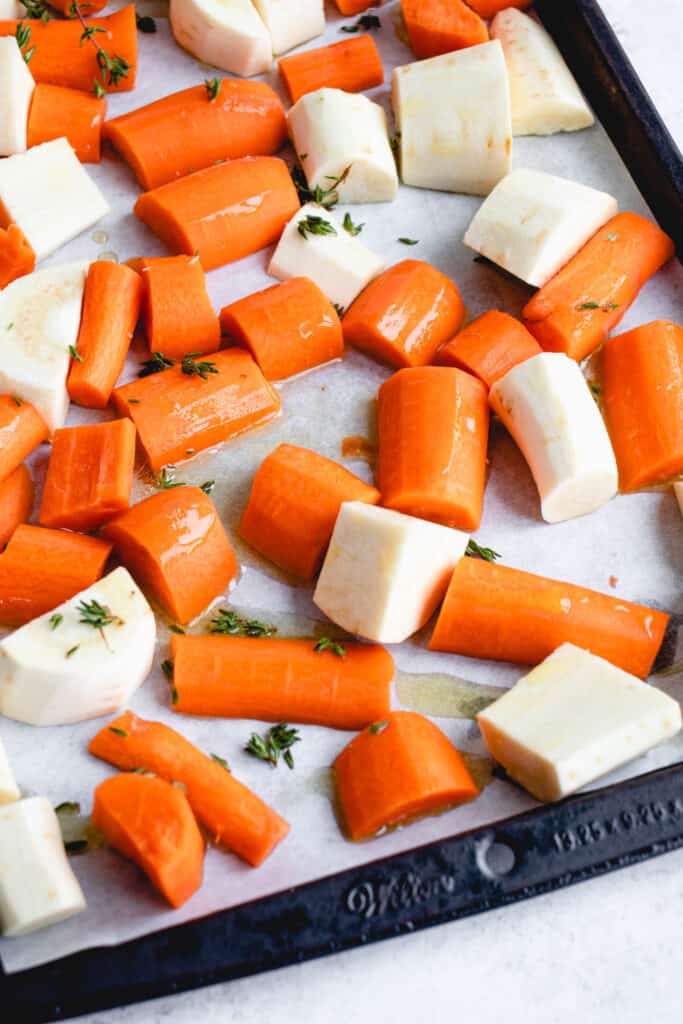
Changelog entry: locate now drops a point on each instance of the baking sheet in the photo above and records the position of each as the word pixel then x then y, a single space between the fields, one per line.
pixel 635 541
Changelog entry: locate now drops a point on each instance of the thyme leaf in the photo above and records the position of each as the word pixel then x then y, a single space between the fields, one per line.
pixel 276 743
pixel 228 623
pixel 314 225
pixel 202 369
pixel 156 364
pixel 475 550
pixel 326 644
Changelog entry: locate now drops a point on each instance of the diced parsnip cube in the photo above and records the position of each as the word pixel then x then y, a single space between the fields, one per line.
pixel 678 491
pixel 533 223
pixel 572 719
pixel 9 791
pixel 16 89
pixel 547 406
pixel 40 315
pixel 338 263
pixel 334 132
pixel 59 669
pixel 385 573
pixel 453 116
pixel 289 25
pixel 37 886
pixel 543 94
pixel 226 33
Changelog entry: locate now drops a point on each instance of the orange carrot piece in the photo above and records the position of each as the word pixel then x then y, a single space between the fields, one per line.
pixel 177 415
pixel 441 26
pixel 186 131
pixel 233 815
pixel 352 65
pixel 89 475
pixel 404 315
pixel 499 613
pixel 16 501
pixel 111 307
pixel 178 314
pixel 17 257
pixel 175 546
pixel 276 680
pixel 223 212
pixel 433 433
pixel 22 429
pixel 150 822
pixel 288 328
pixel 489 347
pixel 57 111
pixel 578 308
pixel 41 568
pixel 294 502
pixel 489 8
pixel 353 6
pixel 642 388
pixel 59 57
pixel 397 770
pixel 88 7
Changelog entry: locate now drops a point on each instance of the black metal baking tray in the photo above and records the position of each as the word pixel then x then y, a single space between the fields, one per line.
pixel 523 856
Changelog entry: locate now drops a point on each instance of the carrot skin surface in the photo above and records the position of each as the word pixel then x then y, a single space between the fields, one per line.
pixel 178 314
pixel 352 65
pixel 17 257
pixel 16 501
pixel 22 429
pixel 57 111
pixel 489 346
pixel 489 8
pixel 441 26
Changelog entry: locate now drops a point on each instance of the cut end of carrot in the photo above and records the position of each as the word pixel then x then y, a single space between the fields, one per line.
pixel 17 257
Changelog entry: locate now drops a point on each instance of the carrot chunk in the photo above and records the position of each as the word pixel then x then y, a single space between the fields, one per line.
pixel 440 26
pixel 352 65
pixel 294 502
pixel 178 314
pixel 22 429
pixel 353 6
pixel 57 111
pixel 17 257
pixel 16 501
pixel 489 347
pixel 397 770
pixel 233 815
pixel 489 8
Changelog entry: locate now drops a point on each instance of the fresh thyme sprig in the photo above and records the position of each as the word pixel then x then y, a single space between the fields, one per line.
pixel 350 227
pixel 23 38
pixel 228 623
pixel 313 225
pixel 202 369
pixel 156 364
pixel 166 480
pixel 213 87
pixel 97 615
pixel 326 644
pixel 326 197
pixel 112 69
pixel 277 743
pixel 475 550
pixel 36 10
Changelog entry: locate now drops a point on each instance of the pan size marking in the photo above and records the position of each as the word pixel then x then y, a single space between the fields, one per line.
pixel 645 815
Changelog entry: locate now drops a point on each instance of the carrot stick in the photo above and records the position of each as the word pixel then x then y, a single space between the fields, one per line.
pixel 41 568
pixel 175 546
pixel 186 131
pixel 88 7
pixel 177 415
pixel 578 308
pixel 57 111
pixel 353 6
pixel 89 475
pixel 150 822
pixel 223 212
pixel 288 328
pixel 489 347
pixel 642 380
pixel 489 8
pixel 440 26
pixel 397 770
pixel 499 613
pixel 16 501
pixel 22 429
pixel 17 257
pixel 352 65
pixel 433 433
pixel 294 502
pixel 233 815
pixel 405 314
pixel 178 314
pixel 59 57
pixel 277 680
pixel 111 307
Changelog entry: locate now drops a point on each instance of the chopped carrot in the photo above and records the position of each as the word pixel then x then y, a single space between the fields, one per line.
pixel 405 314
pixel 499 613
pixel 578 308
pixel 111 307
pixel 89 475
pixel 433 433
pixel 352 65
pixel 187 131
pixel 441 26
pixel 288 328
pixel 150 822
pixel 16 501
pixel 276 680
pixel 294 502
pixel 489 8
pixel 177 414
pixel 22 429
pixel 233 815
pixel 59 57
pixel 88 7
pixel 489 347
pixel 642 388
pixel 178 314
pixel 57 111
pixel 353 6
pixel 41 568
pixel 223 212
pixel 17 257
pixel 396 770
pixel 175 546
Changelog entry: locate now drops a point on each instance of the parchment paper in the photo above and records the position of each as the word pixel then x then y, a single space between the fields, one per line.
pixel 637 539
